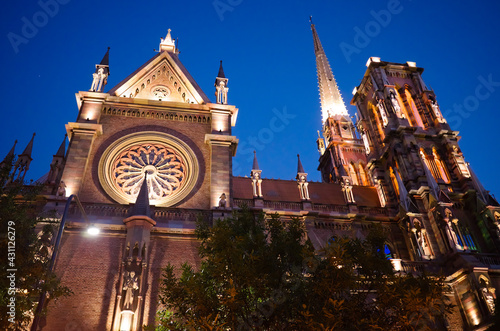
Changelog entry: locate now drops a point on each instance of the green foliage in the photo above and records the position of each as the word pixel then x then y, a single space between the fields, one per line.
pixel 259 274
pixel 250 276
pixel 29 258
pixel 354 287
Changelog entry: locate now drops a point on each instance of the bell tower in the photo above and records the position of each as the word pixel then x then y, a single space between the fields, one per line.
pixel 342 153
pixel 416 164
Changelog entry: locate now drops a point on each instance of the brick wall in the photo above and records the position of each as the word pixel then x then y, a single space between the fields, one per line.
pixel 90 266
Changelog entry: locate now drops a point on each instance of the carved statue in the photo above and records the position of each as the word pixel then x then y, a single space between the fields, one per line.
pixel 488 294
pixel 222 200
pixel 61 190
pixel 130 286
pixel 497 222
pixel 383 114
pixel 380 192
pixel 421 240
pixel 396 106
pixel 256 184
pixel 347 189
pixel 437 112
pixel 364 136
pixel 452 235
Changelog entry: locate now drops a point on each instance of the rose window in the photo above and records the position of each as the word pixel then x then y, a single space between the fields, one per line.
pixel 168 164
pixel 164 167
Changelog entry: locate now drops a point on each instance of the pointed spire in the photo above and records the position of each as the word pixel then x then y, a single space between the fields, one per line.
pixel 62 149
pixel 29 147
pixel 300 168
pixel 331 100
pixel 255 165
pixel 167 44
pixel 221 86
pixel 11 152
pixel 105 59
pixel 141 207
pixel 221 71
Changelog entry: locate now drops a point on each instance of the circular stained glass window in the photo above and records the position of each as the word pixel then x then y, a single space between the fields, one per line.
pixel 166 163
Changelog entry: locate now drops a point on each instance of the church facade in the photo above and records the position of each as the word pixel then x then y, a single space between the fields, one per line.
pixel 151 155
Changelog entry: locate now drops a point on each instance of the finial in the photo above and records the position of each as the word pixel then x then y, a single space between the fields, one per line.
pixel 300 168
pixel 221 71
pixel 29 147
pixel 167 44
pixel 141 206
pixel 311 19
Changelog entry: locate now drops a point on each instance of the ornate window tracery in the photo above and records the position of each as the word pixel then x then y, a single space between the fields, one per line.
pixel 170 165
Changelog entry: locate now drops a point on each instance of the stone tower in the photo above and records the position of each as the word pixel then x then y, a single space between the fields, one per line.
pixel 415 161
pixel 342 153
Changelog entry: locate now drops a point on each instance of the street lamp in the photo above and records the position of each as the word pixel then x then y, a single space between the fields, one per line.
pixel 92 229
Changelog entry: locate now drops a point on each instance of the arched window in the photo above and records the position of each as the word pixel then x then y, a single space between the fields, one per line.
pixel 401 106
pixel 362 175
pixel 394 180
pixel 353 175
pixel 435 165
pixel 413 109
pixel 389 252
pixel 441 166
pixel 378 124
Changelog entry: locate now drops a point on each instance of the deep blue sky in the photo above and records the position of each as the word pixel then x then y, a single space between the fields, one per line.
pixel 268 57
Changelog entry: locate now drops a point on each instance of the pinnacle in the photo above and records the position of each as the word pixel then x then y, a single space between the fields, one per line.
pixel 141 207
pixel 62 148
pixel 300 168
pixel 105 59
pixel 221 71
pixel 255 165
pixel 27 151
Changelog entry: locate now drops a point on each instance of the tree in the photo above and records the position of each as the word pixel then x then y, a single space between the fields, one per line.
pixel 353 287
pixel 24 256
pixel 250 276
pixel 259 274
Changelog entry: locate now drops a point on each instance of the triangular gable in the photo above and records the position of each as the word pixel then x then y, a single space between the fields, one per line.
pixel 163 78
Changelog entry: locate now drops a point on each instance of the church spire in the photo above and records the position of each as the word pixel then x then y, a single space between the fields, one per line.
pixel 331 100
pixel 29 147
pixel 256 175
pixel 9 157
pixel 300 168
pixel 167 44
pixel 255 165
pixel 11 152
pixel 62 148
pixel 23 162
pixel 302 181
pixel 221 86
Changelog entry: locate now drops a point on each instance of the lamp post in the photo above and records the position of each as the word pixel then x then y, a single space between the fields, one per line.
pixel 92 230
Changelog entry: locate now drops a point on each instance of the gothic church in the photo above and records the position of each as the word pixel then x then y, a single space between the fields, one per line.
pixel 153 153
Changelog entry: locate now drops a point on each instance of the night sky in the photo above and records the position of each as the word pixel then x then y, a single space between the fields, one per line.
pixel 268 56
